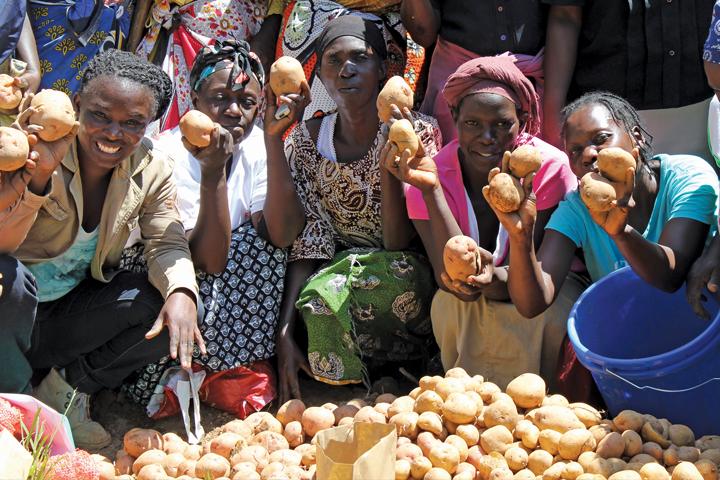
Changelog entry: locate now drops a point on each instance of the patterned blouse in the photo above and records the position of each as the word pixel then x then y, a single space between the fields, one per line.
pixel 342 200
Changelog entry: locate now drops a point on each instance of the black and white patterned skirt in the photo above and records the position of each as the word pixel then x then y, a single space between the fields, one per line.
pixel 242 305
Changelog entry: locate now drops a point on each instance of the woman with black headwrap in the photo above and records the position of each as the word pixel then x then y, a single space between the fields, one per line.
pixel 221 196
pixel 370 300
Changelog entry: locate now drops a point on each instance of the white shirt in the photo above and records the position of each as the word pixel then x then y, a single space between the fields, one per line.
pixel 246 187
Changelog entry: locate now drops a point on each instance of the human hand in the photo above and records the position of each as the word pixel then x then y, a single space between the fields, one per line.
pixel 474 284
pixel 28 82
pixel 419 171
pixel 180 315
pixel 290 360
pixel 297 103
pixel 13 184
pixel 705 271
pixel 614 221
pixel 521 221
pixel 212 159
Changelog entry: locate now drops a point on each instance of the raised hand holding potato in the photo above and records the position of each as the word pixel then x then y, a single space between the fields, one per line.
pixel 286 78
pixel 522 219
pixel 196 128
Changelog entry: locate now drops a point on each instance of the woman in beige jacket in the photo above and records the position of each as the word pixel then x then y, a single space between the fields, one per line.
pixel 64 218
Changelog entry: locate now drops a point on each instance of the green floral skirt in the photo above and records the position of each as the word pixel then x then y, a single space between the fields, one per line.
pixel 366 304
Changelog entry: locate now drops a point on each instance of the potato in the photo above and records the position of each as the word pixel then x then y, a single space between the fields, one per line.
pixel 539 461
pixel 496 439
pixel 524 475
pixel 403 404
pixel 137 441
pixel 629 420
pixel 309 456
pixel 531 438
pixel 501 413
pixel 459 444
pixel 652 449
pixel 370 415
pixel 461 257
pixel 10 94
pixel 402 441
pixel 613 445
pixel 288 458
pixel 681 435
pixel 686 471
pixel 445 456
pixel 554 472
pixel 408 451
pixel 316 419
pixel 151 472
pixel 459 409
pixel 286 75
pixel 254 454
pixel 642 459
pixel 402 470
pixel 576 442
pixel 670 457
pixel 406 424
pixel 414 393
pixel 614 163
pixel 633 443
pixel 402 134
pixel 469 433
pixel 173 462
pixel 151 457
pixel 54 112
pixel 487 463
pixel 560 419
pixel 430 422
pixel 212 465
pixel 428 401
pixel 268 424
pixel 174 447
pixel 585 458
pixel 487 390
pixel 107 471
pixel 294 434
pixel 596 192
pixel 590 476
pixel 420 466
pixel 653 471
pixel 197 128
pixel 712 455
pixel 437 474
pixel 395 92
pixel 426 441
pixel 239 427
pixel 273 471
pixel 707 469
pixel 381 408
pixel 506 192
pixel 272 441
pixel 330 406
pixel 525 159
pixel 501 474
pixel 245 467
pixel 123 464
pixel 625 475
pixel 650 434
pixel 517 458
pixel 187 468
pixel 549 440
pixel 14 149
pixel 556 399
pixel 571 471
pixel 708 442
pixel 225 443
pixel 616 465
pixel 527 390
pixel 599 466
pixel 290 411
pixel 600 431
pixel 688 454
pixel 588 415
pixel 385 398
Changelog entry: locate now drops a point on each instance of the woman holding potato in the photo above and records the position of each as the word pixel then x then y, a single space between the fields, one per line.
pixel 494 108
pixel 79 197
pixel 664 217
pixel 368 301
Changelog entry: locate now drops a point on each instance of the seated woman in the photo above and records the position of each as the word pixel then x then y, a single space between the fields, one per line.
pixel 66 216
pixel 221 194
pixel 495 110
pixel 665 217
pixel 369 300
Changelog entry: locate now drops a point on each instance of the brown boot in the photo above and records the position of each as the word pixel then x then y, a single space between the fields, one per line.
pixel 56 393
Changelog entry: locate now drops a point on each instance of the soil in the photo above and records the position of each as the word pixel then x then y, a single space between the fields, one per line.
pixel 119 414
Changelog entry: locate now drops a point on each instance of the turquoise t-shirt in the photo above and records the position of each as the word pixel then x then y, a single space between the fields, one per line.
pixel 57 277
pixel 688 189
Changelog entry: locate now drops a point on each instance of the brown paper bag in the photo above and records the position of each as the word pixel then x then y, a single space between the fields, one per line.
pixel 361 451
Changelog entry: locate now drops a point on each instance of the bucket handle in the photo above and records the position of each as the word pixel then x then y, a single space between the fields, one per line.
pixel 658 389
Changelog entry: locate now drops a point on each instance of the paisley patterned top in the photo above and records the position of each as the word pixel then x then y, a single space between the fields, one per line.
pixel 342 200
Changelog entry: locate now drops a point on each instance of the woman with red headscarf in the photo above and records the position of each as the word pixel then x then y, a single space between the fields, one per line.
pixel 495 110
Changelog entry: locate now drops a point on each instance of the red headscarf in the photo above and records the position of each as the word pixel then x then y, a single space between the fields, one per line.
pixel 497 75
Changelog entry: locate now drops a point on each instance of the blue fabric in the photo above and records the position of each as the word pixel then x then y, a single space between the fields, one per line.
pixel 711 52
pixel 58 277
pixel 12 15
pixel 69 35
pixel 688 189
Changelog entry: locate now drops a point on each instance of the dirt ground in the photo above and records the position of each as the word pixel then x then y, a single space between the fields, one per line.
pixel 118 414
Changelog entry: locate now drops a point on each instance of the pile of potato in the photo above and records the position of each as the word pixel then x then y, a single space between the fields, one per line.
pixel 457 427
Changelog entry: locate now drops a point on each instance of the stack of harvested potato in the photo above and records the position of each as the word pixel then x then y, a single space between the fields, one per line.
pixel 457 427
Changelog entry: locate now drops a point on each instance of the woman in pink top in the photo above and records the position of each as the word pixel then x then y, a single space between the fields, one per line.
pixel 494 109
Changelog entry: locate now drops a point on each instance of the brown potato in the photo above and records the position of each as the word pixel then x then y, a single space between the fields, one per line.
pixel 137 441
pixel 395 92
pixel 369 415
pixel 653 449
pixel 315 419
pixel 585 458
pixel 650 434
pixel 588 415
pixel 193 452
pixel 239 427
pixel 600 431
pixel 688 454
pixel 187 468
pixel 469 433
pixel 625 475
pixel 14 149
pixel 460 444
pixel 406 424
pixel 151 457
pixel 506 193
pixel 560 419
pixel 272 441
pixel 571 471
pixel 642 458
pixel 173 462
pixel 539 461
pixel 614 163
pixel 574 443
pixel 525 159
pixel 708 442
pixel 501 413
pixel 10 94
pixel 124 464
pixel 712 455
pixel 54 112
pixel 294 433
pixel 459 409
pixel 197 128
pixel 707 469
pixel 629 420
pixel 599 466
pixel 633 443
pixel 445 456
pixel 402 133
pixel 420 466
pixel 290 411
pixel 174 447
pixel 517 458
pixel 670 457
pixel 381 408
pixel 527 390
pixel 430 422
pixel 686 471
pixel 653 471
pixel 385 398
pixel 549 440
pixel 151 472
pixel 681 435
pixel 596 192
pixel 344 411
pixel 286 75
pixel 225 443
pixel 616 465
pixel 613 445
pixel 461 258
pixel 212 465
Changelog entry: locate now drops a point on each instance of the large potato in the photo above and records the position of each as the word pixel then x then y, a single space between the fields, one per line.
pixel 469 433
pixel 428 401
pixel 596 192
pixel 613 445
pixel 653 471
pixel 395 92
pixel 460 444
pixel 14 149
pixel 151 457
pixel 420 466
pixel 286 75
pixel 291 411
pixel 576 442
pixel 496 439
pixel 459 408
pixel 445 456
pixel 517 458
pixel 316 419
pixel 294 434
pixel 213 466
pixel 549 440
pixel 539 461
pixel 688 454
pixel 406 424
pixel 403 404
pixel 449 385
pixel 599 466
pixel 629 420
pixel 588 415
pixel 239 427
pixel 527 390
pixel 681 436
pixel 225 443
pixel 633 443
pixel 402 133
pixel 54 112
pixel 197 128
pixel 506 192
pixel 585 458
pixel 431 422
pixel 271 441
pixel 560 419
pixel 461 258
pixel 501 413
pixel 370 415
pixel 686 471
pixel 614 163
pixel 426 441
pixel 137 441
pixel 707 469
pixel 524 160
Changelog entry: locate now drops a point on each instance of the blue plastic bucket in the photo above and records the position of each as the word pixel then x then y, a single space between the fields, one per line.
pixel 648 351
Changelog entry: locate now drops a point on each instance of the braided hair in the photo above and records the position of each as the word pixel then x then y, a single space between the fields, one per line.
pixel 119 64
pixel 620 110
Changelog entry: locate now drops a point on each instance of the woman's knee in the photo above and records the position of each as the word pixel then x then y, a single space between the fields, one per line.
pixel 18 292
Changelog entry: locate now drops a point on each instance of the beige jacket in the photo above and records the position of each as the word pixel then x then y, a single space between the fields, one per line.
pixel 141 193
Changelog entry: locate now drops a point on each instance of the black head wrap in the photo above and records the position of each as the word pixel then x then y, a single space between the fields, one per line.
pixel 229 55
pixel 352 26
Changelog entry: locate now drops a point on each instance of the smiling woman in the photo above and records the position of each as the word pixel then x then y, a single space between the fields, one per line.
pixel 96 323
